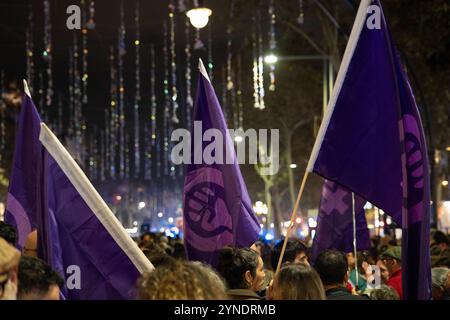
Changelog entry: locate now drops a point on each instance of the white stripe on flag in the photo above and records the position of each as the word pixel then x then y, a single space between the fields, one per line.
pixel 93 199
pixel 348 54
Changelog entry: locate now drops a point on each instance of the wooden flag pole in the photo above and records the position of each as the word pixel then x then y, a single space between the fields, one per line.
pixel 294 212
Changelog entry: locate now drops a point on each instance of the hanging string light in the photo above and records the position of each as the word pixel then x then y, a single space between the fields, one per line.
pixel 272 44
pixel 112 121
pixel 210 58
pixel 71 128
pixel 224 94
pixel 260 65
pixel 153 104
pixel 187 50
pixel 30 50
pixel 198 44
pixel 121 53
pixel 240 104
pixel 167 103
pixel 102 156
pixel 137 98
pixel 173 65
pixel 84 53
pixel 47 53
pixel 91 22
pixel 42 97
pixel 255 69
pixel 301 16
pixel 78 121
pixel 105 145
pixel 181 6
pixel 229 53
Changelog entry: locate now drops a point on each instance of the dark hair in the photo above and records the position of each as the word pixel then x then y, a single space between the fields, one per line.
pixel 234 263
pixel 300 282
pixel 332 266
pixel 384 293
pixel 8 233
pixel 440 237
pixel 293 248
pixel 36 277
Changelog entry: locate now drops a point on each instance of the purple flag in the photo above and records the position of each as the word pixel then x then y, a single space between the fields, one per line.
pixel 371 141
pixel 22 202
pixel 217 208
pixel 77 233
pixel 335 221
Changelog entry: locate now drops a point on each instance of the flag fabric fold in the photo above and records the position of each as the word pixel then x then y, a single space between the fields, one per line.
pixel 217 208
pixel 78 235
pixel 335 221
pixel 371 141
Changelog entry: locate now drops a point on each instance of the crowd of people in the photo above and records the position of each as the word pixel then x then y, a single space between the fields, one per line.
pixel 242 273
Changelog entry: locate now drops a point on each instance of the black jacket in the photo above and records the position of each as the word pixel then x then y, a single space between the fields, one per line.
pixel 341 293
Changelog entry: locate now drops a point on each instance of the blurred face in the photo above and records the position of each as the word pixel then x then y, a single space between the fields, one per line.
pixel 383 271
pixel 257 281
pixel 350 260
pixel 301 258
pixel 391 265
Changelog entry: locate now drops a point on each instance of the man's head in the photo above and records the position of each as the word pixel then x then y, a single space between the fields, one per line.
pixel 9 260
pixel 392 259
pixel 332 267
pixel 295 252
pixel 8 233
pixel 440 280
pixel 37 281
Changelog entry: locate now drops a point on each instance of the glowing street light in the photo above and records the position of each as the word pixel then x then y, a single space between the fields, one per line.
pixel 271 59
pixel 445 183
pixel 199 17
pixel 160 214
pixel 141 205
pixel 292 166
pixel 170 220
pixel 238 138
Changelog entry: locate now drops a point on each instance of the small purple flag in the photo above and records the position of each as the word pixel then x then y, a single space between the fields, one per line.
pixel 78 235
pixel 21 203
pixel 371 141
pixel 217 208
pixel 335 221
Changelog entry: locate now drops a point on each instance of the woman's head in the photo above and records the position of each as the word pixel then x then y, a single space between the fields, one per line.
pixel 181 281
pixel 241 268
pixel 297 282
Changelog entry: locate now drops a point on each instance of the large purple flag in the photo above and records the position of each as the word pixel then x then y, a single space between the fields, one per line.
pixel 77 233
pixel 335 221
pixel 371 141
pixel 217 208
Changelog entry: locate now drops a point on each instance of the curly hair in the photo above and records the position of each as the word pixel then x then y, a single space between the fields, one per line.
pixel 181 281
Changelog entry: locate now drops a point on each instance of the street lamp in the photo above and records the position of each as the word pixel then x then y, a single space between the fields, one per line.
pixel 270 59
pixel 292 166
pixel 199 17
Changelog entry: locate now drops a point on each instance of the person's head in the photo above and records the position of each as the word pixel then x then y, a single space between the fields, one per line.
pixel 332 267
pixel 9 261
pixel 440 280
pixel 392 259
pixel 181 281
pixel 384 292
pixel 179 251
pixel 241 268
pixel 295 251
pixel 37 281
pixel 297 281
pixel 441 240
pixel 384 273
pixel 8 233
pixel 259 248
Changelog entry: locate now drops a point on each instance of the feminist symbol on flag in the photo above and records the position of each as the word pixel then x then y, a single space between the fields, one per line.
pixel 207 219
